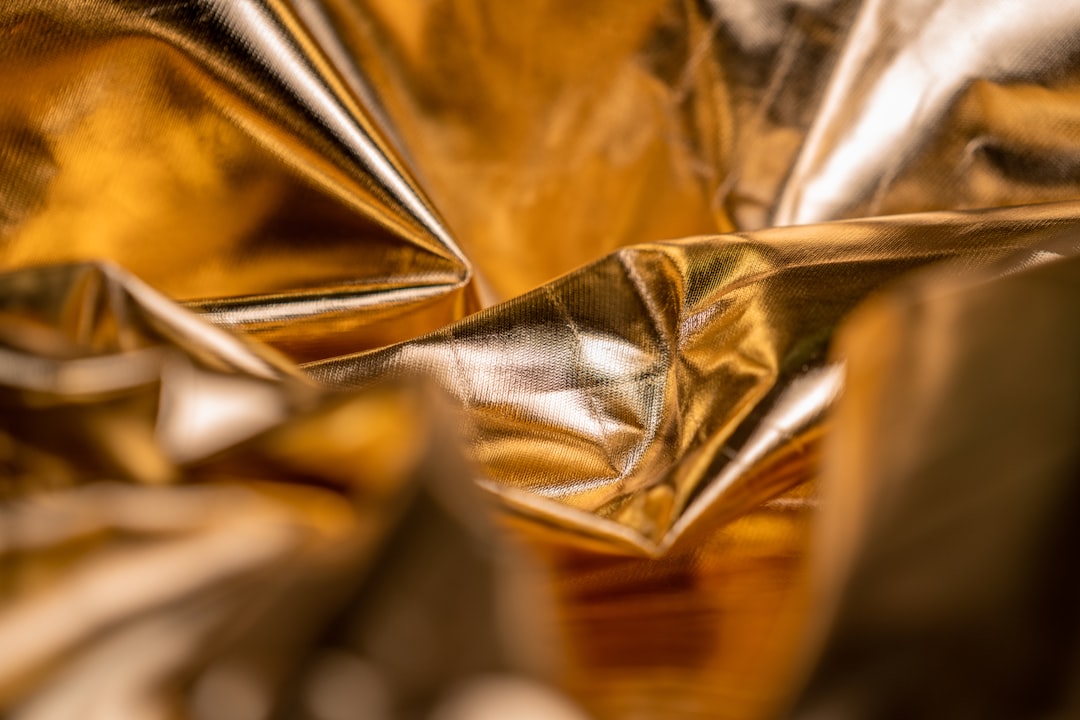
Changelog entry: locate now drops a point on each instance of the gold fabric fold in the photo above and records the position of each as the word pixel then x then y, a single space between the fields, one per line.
pixel 551 133
pixel 263 160
pixel 189 527
pixel 241 239
pixel 212 149
pixel 949 494
pixel 661 384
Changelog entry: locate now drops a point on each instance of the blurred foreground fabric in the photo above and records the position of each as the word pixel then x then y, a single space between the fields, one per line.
pixel 469 359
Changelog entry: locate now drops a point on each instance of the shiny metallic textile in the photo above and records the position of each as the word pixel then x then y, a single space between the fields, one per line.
pixel 283 278
pixel 961 598
pixel 192 527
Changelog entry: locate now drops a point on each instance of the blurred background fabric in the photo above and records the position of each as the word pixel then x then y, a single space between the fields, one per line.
pixel 472 359
pixel 958 597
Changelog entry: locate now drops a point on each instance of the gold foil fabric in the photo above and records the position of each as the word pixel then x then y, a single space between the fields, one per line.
pixel 264 160
pixel 192 529
pixel 947 584
pixel 630 390
pixel 284 279
pixel 211 149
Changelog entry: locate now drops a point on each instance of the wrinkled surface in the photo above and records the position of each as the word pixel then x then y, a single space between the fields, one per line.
pixel 623 388
pixel 210 148
pixel 260 159
pixel 622 239
pixel 189 528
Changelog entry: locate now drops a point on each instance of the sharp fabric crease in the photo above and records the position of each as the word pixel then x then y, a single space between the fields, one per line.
pixel 455 359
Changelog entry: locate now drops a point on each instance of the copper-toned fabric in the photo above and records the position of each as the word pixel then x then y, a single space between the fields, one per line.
pixel 283 282
pixel 947 586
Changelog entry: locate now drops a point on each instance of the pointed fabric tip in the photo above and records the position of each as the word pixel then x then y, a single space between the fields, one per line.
pixel 212 149
pixel 261 51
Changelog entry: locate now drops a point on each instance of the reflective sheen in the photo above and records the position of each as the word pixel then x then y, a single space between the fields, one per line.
pixel 282 281
pixel 966 452
pixel 628 387
pixel 211 149
pixel 189 526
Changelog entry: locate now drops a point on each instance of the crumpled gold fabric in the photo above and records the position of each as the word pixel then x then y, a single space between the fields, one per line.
pixel 619 238
pixel 192 529
pixel 674 380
